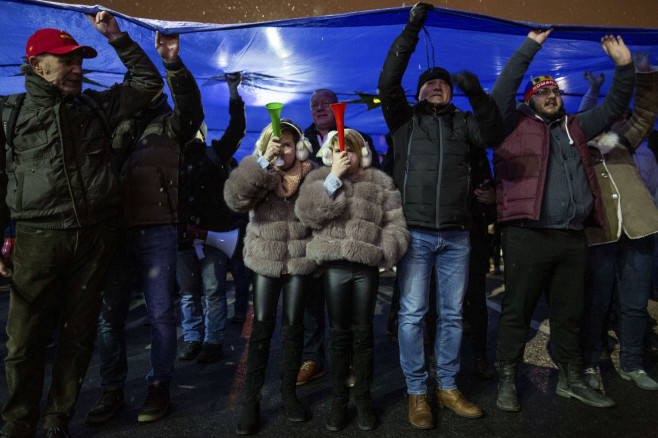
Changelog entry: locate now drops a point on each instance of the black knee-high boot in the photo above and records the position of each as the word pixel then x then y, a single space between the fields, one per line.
pixel 257 357
pixel 340 343
pixel 363 361
pixel 293 344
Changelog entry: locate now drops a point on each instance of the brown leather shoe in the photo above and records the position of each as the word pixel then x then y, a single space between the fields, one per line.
pixel 420 414
pixel 453 399
pixel 309 371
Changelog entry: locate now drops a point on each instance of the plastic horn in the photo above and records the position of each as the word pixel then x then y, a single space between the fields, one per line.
pixel 339 113
pixel 225 242
pixel 274 109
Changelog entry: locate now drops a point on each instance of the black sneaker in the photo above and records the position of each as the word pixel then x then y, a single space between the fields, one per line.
pixel 156 404
pixel 57 432
pixel 190 350
pixel 210 353
pixel 108 404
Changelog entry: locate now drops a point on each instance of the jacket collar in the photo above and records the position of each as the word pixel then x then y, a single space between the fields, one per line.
pixel 40 90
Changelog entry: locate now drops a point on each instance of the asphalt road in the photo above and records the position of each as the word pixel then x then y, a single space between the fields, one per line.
pixel 205 398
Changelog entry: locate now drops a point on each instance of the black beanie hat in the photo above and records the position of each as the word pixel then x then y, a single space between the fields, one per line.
pixel 433 73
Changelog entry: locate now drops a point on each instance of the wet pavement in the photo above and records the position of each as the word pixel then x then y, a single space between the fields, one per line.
pixel 205 398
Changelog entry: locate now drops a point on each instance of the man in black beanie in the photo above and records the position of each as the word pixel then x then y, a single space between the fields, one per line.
pixel 431 143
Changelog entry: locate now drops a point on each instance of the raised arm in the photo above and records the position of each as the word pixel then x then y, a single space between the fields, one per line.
pixel 510 78
pixel 490 131
pixel 592 95
pixel 395 107
pixel 145 83
pixel 645 105
pixel 188 109
pixel 594 121
pixel 237 125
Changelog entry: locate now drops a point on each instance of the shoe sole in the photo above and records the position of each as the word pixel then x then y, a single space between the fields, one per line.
pixel 445 406
pixel 149 418
pixel 507 408
pixel 417 426
pixel 566 394
pixel 315 377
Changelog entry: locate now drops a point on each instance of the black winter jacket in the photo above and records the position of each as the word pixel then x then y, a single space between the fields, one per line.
pixel 432 146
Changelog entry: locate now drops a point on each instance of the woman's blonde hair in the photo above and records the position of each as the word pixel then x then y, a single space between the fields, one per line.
pixel 354 140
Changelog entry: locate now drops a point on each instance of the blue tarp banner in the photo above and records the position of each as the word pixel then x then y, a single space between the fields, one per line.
pixel 284 61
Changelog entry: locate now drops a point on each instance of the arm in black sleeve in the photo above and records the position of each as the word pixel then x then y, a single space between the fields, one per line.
pixel 237 127
pixel 188 109
pixel 395 107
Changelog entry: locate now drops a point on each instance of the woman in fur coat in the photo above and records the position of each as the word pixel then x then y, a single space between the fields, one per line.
pixel 358 226
pixel 275 249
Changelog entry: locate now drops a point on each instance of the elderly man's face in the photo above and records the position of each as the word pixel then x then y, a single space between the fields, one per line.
pixel 436 92
pixel 64 71
pixel 323 116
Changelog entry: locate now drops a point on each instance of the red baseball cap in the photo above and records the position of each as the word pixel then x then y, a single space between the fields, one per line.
pixel 55 41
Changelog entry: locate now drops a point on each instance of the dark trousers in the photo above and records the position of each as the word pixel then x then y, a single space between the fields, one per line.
pixel 58 281
pixel 539 260
pixel 266 298
pixel 351 292
pixel 314 324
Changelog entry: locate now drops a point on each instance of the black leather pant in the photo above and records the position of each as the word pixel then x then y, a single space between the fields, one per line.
pixel 266 298
pixel 351 293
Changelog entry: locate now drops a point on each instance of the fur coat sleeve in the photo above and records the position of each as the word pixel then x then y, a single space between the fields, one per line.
pixel 247 185
pixel 395 236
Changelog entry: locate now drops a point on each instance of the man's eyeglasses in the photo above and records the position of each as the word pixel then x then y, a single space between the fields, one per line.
pixel 548 91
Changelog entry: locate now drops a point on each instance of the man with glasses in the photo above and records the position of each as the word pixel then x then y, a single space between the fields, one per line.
pixel 547 192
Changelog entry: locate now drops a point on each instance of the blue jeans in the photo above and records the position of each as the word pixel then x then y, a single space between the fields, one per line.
pixel 624 267
pixel 448 251
pixel 203 277
pixel 145 257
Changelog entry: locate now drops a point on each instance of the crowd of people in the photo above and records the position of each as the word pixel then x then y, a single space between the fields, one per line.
pixel 114 191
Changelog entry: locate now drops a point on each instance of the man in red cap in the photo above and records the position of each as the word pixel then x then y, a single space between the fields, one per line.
pixel 63 195
pixel 547 192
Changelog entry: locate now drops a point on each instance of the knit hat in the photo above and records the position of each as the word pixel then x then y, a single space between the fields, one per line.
pixel 56 42
pixel 536 83
pixel 433 73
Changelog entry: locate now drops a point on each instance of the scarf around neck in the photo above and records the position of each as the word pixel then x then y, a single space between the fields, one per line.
pixel 290 179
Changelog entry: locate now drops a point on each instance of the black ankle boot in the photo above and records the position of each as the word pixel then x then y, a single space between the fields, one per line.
pixel 257 358
pixel 507 400
pixel 340 342
pixel 293 344
pixel 363 362
pixel 571 383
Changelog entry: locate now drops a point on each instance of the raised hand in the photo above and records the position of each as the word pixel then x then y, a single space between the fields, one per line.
pixel 418 14
pixel 106 24
pixel 273 149
pixel 340 164
pixel 540 35
pixel 594 81
pixel 616 49
pixel 468 83
pixel 167 46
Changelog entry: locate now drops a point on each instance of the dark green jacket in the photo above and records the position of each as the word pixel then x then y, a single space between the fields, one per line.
pixel 58 173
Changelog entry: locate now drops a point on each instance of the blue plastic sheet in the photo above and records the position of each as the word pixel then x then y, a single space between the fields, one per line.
pixel 284 61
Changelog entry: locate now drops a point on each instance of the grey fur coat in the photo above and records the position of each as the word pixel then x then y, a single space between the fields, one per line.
pixel 276 240
pixel 364 223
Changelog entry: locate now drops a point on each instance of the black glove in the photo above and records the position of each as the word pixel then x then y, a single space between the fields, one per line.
pixel 418 15
pixel 468 83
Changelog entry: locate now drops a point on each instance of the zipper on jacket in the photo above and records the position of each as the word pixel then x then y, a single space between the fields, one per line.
pixel 58 106
pixel 440 176
pixel 406 166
